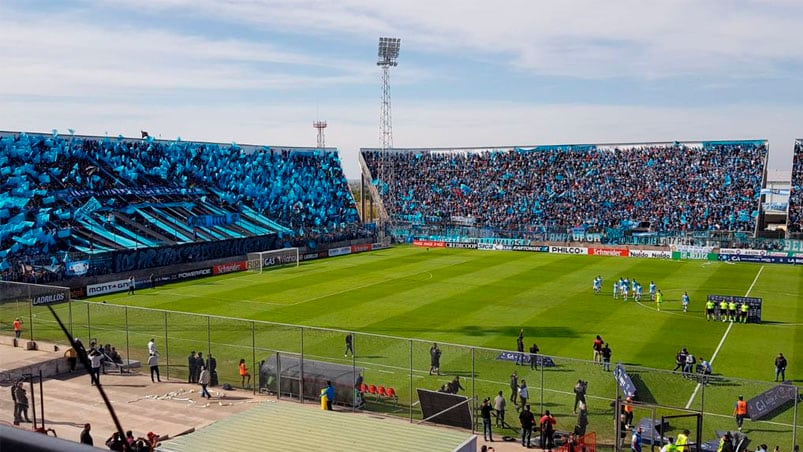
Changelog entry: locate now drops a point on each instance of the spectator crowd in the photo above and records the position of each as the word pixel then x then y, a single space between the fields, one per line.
pixel 675 187
pixel 57 192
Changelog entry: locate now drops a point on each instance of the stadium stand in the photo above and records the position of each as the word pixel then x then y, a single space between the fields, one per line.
pixel 67 196
pixel 795 214
pixel 661 186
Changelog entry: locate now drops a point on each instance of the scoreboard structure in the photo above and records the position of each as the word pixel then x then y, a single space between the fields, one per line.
pixel 753 303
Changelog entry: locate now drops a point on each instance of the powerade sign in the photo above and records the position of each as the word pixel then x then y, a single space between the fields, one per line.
pixel 568 250
pixel 52 298
pixel 194 273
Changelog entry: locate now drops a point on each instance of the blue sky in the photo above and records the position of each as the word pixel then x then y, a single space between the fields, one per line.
pixel 470 73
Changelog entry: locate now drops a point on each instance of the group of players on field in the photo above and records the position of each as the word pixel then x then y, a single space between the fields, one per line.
pixel 624 287
pixel 725 311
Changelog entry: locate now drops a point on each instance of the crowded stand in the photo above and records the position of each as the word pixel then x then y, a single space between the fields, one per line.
pixel 664 187
pixel 68 194
pixel 795 215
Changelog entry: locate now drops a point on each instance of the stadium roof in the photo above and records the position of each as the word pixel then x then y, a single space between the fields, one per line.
pixel 293 426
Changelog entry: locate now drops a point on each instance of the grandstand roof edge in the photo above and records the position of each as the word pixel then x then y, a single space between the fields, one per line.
pixel 511 147
pixel 161 140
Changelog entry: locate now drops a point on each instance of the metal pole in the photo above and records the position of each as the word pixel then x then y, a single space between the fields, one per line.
pixel 127 346
pixel 301 368
pixel 278 376
pixel 167 347
pixel 33 400
pixel 794 418
pixel 41 401
pixel 208 336
pixel 254 356
pixel 30 318
pixel 88 324
pixel 473 391
pixel 69 310
pixel 411 380
pixel 541 402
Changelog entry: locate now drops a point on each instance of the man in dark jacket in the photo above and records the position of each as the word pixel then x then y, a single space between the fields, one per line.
pixel 527 420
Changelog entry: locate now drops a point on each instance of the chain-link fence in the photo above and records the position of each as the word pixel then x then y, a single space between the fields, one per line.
pixel 295 352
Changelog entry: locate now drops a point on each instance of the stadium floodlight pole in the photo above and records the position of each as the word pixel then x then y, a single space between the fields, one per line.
pixel 388 57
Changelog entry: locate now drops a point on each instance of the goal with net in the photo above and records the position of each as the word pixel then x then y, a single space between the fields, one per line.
pixel 257 262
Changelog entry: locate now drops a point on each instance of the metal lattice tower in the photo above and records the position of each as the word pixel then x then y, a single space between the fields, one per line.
pixel 388 54
pixel 320 125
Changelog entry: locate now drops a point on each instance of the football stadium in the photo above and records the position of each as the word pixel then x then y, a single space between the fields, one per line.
pixel 611 295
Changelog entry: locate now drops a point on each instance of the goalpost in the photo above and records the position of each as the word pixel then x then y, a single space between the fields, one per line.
pixel 25 301
pixel 257 262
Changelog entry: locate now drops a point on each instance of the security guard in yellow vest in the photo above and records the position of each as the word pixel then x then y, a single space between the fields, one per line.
pixel 732 311
pixel 743 312
pixel 709 310
pixel 723 311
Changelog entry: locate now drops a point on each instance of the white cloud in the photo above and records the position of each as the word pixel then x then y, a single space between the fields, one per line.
pixel 581 38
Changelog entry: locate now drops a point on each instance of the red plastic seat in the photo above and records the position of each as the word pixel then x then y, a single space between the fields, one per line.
pixel 381 391
pixel 372 390
pixel 363 387
pixel 391 393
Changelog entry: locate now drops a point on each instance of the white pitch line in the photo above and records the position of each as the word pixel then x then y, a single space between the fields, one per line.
pixel 722 341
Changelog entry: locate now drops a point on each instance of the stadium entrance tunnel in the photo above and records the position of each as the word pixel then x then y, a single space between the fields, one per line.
pixel 287 375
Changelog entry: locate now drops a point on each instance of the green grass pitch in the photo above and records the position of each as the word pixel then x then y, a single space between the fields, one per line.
pixel 483 299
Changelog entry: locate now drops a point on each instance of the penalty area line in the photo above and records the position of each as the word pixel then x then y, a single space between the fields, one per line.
pixel 722 341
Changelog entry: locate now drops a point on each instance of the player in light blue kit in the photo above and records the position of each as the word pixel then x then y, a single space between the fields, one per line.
pixel 652 291
pixel 624 289
pixel 637 295
pixel 615 290
pixel 597 285
pixel 685 301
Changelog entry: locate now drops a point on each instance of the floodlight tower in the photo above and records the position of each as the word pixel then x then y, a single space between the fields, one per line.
pixel 320 125
pixel 388 54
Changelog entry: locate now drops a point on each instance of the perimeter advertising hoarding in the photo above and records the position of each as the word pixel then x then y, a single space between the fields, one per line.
pixel 430 243
pixel 576 250
pixel 607 252
pixel 651 254
pixel 797 260
pixel 229 267
pixel 463 245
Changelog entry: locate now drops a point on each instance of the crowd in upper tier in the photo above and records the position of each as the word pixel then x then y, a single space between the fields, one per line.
pixel 795 219
pixel 674 187
pixel 56 192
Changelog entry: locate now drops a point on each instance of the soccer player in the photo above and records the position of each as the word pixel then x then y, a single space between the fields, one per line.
pixel 659 299
pixel 652 290
pixel 624 288
pixel 685 301
pixel 723 311
pixel 615 290
pixel 597 285
pixel 638 292
pixel 709 310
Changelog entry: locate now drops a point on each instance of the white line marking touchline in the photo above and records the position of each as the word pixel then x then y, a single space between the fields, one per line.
pixel 722 341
